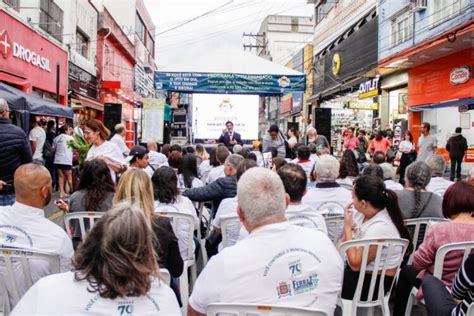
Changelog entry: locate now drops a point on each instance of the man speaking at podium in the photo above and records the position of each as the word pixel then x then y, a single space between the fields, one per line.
pixel 229 137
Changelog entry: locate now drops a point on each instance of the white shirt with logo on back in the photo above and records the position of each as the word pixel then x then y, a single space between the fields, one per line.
pixel 60 294
pixel 23 226
pixel 438 185
pixel 215 173
pixel 280 264
pixel 108 150
pixel 62 153
pixel 305 216
pixel 392 185
pixel 319 196
pixel 38 135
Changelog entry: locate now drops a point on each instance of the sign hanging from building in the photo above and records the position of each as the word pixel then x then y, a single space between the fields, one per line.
pixel 460 75
pixel 369 88
pixel 153 120
pixel 198 82
pixel 363 106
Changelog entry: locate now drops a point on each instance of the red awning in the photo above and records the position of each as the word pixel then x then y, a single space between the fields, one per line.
pixel 89 103
pixel 17 81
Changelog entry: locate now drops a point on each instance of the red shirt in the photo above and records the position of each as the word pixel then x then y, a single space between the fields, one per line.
pixel 380 145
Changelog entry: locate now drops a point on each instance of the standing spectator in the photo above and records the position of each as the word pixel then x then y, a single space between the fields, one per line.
pixel 14 152
pixel 319 140
pixel 408 150
pixel 37 139
pixel 63 159
pixel 119 139
pixel 96 134
pixel 281 254
pixel 351 142
pixel 362 137
pixel 49 160
pixel 23 224
pixel 438 184
pixel 415 201
pixel 457 146
pixel 379 143
pixel 168 119
pixel 293 137
pixel 427 143
pixel 275 139
pixel 122 279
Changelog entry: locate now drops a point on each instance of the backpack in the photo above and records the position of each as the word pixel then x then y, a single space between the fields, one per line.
pixel 48 151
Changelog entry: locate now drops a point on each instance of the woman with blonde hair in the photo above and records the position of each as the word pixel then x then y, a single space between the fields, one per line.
pixel 114 269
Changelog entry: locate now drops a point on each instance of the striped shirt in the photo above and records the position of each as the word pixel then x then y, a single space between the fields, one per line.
pixel 463 287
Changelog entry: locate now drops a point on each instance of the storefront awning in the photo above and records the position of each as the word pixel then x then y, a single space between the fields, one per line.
pixel 459 102
pixel 87 102
pixel 27 103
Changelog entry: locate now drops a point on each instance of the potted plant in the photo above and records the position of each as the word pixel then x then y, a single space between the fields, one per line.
pixel 80 147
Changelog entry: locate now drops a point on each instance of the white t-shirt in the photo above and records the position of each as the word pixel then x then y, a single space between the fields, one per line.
pixel 38 135
pixel 185 206
pixel 307 167
pixel 120 142
pixel 108 150
pixel 306 216
pixel 62 153
pixel 156 159
pixel 23 226
pixel 278 264
pixel 392 185
pixel 406 146
pixel 204 169
pixel 215 173
pixel 60 294
pixel 379 226
pixel 228 208
pixel 196 183
pixel 426 145
pixel 318 197
pixel 439 185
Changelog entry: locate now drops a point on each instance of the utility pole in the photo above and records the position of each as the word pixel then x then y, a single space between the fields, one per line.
pixel 260 43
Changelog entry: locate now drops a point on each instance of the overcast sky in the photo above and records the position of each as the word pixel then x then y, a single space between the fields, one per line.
pixel 221 29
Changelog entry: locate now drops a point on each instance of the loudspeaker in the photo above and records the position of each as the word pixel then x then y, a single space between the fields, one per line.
pixel 322 122
pixel 112 115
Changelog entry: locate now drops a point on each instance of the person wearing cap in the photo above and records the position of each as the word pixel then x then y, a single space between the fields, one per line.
pixel 138 158
pixel 37 139
pixel 275 139
pixel 15 152
pixel 257 145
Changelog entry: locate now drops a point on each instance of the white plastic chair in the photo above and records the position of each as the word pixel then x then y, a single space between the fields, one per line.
pixel 239 309
pixel 165 276
pixel 13 284
pixel 466 246
pixel 470 310
pixel 380 270
pixel 202 239
pixel 330 208
pixel 230 227
pixel 82 218
pixel 418 227
pixel 176 220
pixel 335 227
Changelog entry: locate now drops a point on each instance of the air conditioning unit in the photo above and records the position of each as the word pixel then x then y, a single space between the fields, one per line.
pixel 419 5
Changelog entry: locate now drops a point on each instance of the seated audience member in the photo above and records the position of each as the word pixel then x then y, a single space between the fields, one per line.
pixel 155 158
pixel 378 158
pixel 438 184
pixel 313 149
pixel 201 152
pixel 415 201
pixel 277 163
pixel 439 301
pixel 207 165
pixel 218 172
pixel 168 199
pixel 138 159
pixel 165 150
pixel 256 145
pixel 323 151
pixel 176 148
pixel 237 148
pixel 309 275
pixel 458 204
pixel 389 176
pixel 23 224
pixel 221 188
pixel 327 189
pixel 348 169
pixel 294 180
pixel 376 215
pixel 373 170
pixel 302 159
pixel 228 207
pixel 252 156
pixel 124 277
pixel 175 159
pixel 188 174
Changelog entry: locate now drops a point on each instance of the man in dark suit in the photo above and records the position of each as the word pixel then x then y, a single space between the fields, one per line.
pixel 229 138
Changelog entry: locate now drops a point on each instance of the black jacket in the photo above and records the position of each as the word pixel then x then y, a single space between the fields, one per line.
pixel 14 151
pixel 457 146
pixel 216 191
pixel 226 140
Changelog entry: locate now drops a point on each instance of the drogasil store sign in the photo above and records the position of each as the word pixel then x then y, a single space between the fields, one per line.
pixel 9 47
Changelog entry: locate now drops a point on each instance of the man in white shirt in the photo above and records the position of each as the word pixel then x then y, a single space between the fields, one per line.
pixel 289 265
pixel 23 224
pixel 218 172
pixel 119 139
pixel 156 159
pixel 37 138
pixel 328 197
pixel 438 184
pixel 388 176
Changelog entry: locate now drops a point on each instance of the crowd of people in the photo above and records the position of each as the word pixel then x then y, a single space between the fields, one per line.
pixel 281 251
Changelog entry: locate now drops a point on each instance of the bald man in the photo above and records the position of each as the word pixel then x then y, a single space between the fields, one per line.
pixel 23 225
pixel 119 139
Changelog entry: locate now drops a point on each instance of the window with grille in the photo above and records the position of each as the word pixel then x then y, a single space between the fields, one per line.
pixel 82 44
pixel 443 10
pixel 402 28
pixel 140 28
pixel 15 4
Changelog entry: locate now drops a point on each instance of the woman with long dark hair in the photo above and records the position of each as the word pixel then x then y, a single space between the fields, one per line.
pixel 376 215
pixel 115 273
pixel 348 169
pixel 407 148
pixel 188 173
